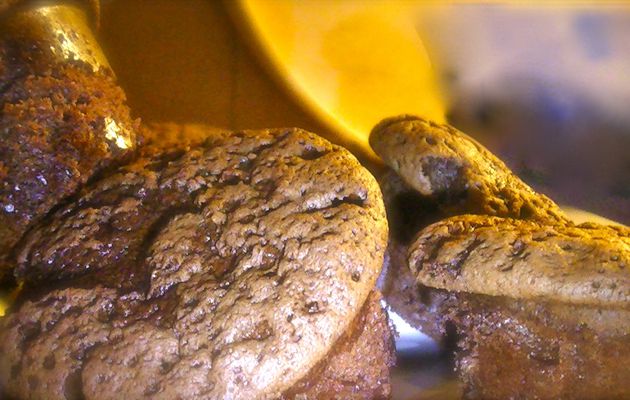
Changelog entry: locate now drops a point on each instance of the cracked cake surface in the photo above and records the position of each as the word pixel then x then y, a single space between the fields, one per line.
pixel 221 271
pixel 60 125
pixel 584 264
pixel 438 160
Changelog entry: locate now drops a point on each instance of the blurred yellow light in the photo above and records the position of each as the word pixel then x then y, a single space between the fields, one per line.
pixel 116 133
pixel 352 62
pixel 7 298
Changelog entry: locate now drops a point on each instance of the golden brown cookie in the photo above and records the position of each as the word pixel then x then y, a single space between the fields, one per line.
pixel 439 161
pixel 435 172
pixel 586 264
pixel 539 305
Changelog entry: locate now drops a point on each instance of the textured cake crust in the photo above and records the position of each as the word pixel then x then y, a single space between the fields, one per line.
pixel 60 125
pixel 225 271
pixel 358 365
pixel 524 349
pixel 440 161
pixel 586 264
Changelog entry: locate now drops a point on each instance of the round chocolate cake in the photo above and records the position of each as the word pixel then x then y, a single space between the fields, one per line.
pixel 229 270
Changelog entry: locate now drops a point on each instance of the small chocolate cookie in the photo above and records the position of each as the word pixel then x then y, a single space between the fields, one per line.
pixel 228 270
pixel 585 264
pixel 442 162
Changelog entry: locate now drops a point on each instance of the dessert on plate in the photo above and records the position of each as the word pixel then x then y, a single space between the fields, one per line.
pixel 537 305
pixel 243 267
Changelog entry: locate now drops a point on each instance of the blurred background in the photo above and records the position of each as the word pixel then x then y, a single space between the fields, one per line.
pixel 546 87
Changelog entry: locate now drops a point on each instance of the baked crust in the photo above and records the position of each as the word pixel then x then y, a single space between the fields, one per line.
pixel 540 305
pixel 586 264
pixel 234 266
pixel 358 365
pixel 440 172
pixel 439 161
pixel 61 124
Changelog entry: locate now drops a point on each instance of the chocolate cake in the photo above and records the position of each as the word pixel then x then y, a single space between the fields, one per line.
pixel 435 172
pixel 543 311
pixel 538 305
pixel 238 268
pixel 61 123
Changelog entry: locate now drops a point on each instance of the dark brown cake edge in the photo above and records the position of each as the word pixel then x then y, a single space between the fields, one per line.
pixel 358 366
pixel 528 349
